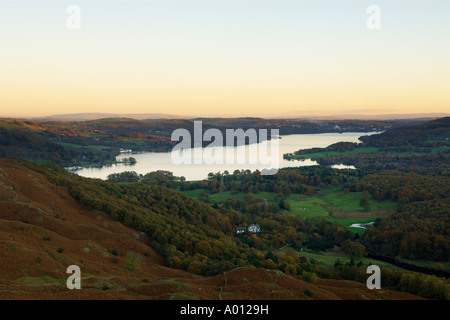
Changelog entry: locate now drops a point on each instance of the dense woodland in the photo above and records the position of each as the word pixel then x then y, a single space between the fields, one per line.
pixel 421 146
pixel 198 236
pixel 76 143
pixel 428 134
pixel 419 229
pixel 193 235
pixel 21 144
pixel 98 142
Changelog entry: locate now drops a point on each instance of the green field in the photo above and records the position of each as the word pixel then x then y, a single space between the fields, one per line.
pixel 349 201
pixel 306 206
pixel 334 204
pixel 328 260
pixel 195 193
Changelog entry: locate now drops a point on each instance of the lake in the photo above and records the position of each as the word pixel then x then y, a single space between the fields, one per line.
pixel 153 161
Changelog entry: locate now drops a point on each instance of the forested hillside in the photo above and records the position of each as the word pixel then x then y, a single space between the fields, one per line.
pixel 305 216
pixel 98 142
pixel 77 143
pixel 195 237
pixel 425 145
pixel 408 165
pixel 43 230
pixel 417 228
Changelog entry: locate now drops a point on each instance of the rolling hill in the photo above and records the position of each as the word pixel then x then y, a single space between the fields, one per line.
pixel 98 141
pixel 43 230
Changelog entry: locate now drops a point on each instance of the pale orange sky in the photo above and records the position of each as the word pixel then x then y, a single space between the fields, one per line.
pixel 220 58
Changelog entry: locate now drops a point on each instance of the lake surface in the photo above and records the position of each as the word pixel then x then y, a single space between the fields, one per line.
pixel 153 161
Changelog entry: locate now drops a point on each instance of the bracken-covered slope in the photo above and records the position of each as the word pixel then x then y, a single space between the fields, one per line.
pixel 43 230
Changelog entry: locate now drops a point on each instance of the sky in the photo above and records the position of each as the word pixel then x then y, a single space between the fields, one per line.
pixel 224 58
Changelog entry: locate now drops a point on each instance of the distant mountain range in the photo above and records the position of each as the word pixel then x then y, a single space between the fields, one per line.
pixel 96 116
pixel 145 116
pixel 397 116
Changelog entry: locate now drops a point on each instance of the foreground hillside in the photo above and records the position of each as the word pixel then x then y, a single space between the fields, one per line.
pixel 43 230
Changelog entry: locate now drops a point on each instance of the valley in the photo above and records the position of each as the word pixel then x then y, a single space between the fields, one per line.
pixel 43 230
pixel 160 236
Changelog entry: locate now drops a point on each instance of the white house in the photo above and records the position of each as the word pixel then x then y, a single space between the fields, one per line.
pixel 254 228
pixel 239 230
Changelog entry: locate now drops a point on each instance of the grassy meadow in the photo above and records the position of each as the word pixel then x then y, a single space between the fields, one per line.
pixel 333 204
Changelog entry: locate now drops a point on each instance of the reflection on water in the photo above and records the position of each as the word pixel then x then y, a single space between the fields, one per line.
pixel 152 161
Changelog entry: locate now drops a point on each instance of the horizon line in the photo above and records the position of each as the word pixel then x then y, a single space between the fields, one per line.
pixel 159 115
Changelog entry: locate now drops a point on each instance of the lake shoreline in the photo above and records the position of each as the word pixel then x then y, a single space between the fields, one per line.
pixel 154 161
